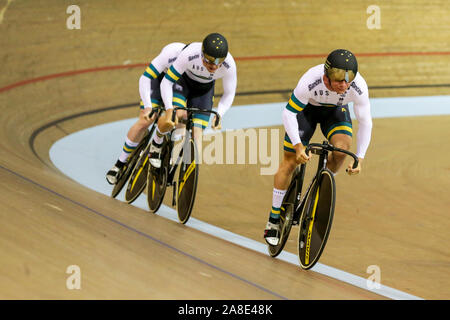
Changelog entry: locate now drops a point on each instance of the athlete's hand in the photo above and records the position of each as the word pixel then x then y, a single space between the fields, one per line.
pixel 300 155
pixel 357 170
pixel 147 112
pixel 219 126
pixel 168 123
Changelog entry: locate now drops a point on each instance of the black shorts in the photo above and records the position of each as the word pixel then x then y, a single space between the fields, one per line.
pixel 191 93
pixel 332 120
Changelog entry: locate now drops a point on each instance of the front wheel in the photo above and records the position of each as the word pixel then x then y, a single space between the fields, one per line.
pixel 187 182
pixel 138 178
pixel 316 219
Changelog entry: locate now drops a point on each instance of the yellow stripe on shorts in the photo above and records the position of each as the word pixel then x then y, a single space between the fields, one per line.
pixel 200 122
pixel 180 101
pixel 343 128
pixel 289 145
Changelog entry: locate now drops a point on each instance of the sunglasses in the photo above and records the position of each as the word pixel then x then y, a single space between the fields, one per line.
pixel 211 60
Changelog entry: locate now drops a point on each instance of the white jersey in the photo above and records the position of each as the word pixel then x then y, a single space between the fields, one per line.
pixel 190 61
pixel 311 90
pixel 157 66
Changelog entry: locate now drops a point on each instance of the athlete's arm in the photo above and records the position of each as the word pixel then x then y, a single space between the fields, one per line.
pixel 229 91
pixel 173 74
pixel 145 91
pixel 293 107
pixel 297 102
pixel 154 69
pixel 362 113
pixel 291 126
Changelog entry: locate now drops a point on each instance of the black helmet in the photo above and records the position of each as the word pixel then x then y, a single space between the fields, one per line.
pixel 341 65
pixel 215 48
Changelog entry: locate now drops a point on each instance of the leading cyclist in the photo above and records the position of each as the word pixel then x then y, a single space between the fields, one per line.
pixel 321 97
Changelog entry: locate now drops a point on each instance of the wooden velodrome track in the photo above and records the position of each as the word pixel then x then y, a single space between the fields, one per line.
pixel 395 214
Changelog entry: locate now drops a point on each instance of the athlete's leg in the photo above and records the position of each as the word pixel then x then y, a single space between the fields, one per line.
pixel 337 128
pixel 137 130
pixel 287 166
pixel 282 178
pixel 200 122
pixel 281 183
pixel 162 129
pixel 135 134
pixel 197 132
pixel 165 123
pixel 336 159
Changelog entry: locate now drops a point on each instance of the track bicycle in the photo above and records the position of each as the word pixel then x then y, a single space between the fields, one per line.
pixel 138 177
pixel 186 159
pixel 313 211
pixel 127 170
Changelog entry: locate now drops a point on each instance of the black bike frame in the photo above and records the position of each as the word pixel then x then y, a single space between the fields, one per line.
pixel 188 134
pixel 321 150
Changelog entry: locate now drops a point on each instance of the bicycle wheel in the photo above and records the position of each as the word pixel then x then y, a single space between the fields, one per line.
pixel 286 215
pixel 157 179
pixel 187 182
pixel 138 178
pixel 129 166
pixel 316 219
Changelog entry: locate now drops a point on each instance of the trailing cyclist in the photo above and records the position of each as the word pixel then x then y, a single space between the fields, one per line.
pixel 190 82
pixel 321 97
pixel 149 90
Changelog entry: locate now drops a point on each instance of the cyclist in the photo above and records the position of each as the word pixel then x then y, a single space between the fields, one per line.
pixel 190 82
pixel 322 96
pixel 149 90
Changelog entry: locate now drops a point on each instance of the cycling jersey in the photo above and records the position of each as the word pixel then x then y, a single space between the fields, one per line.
pixel 150 80
pixel 189 65
pixel 312 92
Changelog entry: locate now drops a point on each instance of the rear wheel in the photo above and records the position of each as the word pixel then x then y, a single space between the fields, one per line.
pixel 156 187
pixel 316 219
pixel 187 182
pixel 129 166
pixel 138 178
pixel 286 216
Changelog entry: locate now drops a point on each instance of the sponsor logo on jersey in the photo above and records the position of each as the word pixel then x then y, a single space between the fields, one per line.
pixel 194 57
pixel 314 84
pixel 357 89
